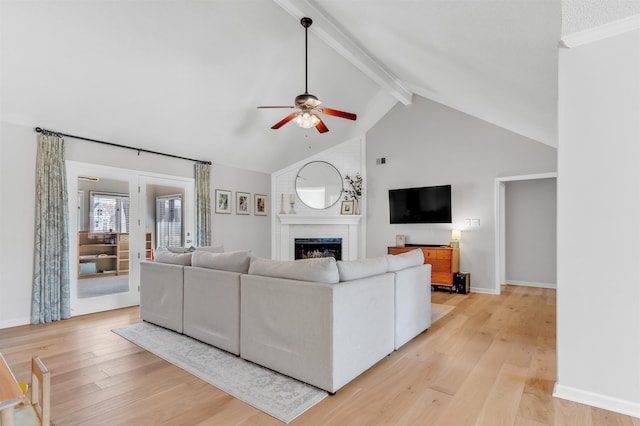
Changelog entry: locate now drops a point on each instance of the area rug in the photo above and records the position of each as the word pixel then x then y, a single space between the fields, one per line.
pixel 279 396
pixel 438 311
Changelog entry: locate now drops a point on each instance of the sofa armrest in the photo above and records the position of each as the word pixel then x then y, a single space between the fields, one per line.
pixel 412 302
pixel 161 294
pixel 322 334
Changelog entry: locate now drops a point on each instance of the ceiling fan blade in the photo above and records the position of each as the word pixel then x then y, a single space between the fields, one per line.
pixel 336 113
pixel 322 128
pixel 284 121
pixel 278 106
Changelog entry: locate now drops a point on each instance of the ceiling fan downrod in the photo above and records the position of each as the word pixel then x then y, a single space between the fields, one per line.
pixel 306 23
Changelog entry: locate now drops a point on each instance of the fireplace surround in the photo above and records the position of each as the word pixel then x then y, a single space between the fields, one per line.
pixel 291 227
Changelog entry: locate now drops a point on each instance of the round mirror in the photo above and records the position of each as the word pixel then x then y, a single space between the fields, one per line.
pixel 319 185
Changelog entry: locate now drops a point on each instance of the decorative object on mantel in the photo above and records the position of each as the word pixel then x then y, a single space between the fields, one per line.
pixel 347 207
pixel 292 201
pixel 355 192
pixel 282 205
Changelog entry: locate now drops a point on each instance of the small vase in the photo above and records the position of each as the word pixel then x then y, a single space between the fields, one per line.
pixel 356 206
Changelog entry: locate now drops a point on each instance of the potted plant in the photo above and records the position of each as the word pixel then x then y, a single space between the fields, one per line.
pixel 354 191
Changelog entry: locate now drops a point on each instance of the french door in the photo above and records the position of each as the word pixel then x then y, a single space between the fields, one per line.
pixel 112 229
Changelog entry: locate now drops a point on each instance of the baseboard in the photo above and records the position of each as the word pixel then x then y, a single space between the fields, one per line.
pixel 15 322
pixel 484 290
pixel 621 406
pixel 531 284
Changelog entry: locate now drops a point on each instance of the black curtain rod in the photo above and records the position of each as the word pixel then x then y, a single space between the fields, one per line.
pixel 40 130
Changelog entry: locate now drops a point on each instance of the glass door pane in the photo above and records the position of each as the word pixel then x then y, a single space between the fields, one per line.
pixel 103 248
pixel 169 221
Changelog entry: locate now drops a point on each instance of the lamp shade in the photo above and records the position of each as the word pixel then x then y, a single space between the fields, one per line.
pixel 306 120
pixel 456 234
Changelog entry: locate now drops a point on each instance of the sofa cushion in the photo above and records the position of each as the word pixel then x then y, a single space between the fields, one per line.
pixel 181 249
pixel 405 260
pixel 232 261
pixel 165 256
pixel 362 268
pixel 321 270
pixel 211 249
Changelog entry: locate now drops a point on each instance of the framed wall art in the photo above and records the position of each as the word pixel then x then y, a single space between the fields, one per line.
pixel 223 201
pixel 347 207
pixel 242 202
pixel 260 205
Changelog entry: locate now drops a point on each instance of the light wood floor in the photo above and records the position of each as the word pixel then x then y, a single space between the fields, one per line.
pixel 491 361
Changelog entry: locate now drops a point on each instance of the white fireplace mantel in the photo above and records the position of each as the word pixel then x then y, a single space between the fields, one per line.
pixel 292 219
pixel 346 227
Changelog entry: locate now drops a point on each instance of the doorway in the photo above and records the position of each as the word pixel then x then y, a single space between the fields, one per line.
pixel 501 225
pixel 114 231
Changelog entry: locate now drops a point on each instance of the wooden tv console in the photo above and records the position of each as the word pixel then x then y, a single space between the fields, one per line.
pixel 444 261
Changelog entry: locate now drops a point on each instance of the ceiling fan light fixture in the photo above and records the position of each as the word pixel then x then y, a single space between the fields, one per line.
pixel 306 120
pixel 308 104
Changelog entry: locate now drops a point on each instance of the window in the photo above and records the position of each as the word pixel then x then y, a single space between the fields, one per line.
pixel 169 221
pixel 109 212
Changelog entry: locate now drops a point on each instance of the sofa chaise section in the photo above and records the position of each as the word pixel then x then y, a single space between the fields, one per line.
pixel 212 298
pixel 323 333
pixel 161 294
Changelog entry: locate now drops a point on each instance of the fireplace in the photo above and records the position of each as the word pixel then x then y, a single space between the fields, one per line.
pixel 308 248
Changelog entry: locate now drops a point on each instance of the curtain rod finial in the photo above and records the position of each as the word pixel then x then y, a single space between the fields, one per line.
pixel 38 130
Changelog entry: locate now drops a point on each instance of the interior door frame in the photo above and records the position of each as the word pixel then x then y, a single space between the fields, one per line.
pixel 500 224
pixel 137 192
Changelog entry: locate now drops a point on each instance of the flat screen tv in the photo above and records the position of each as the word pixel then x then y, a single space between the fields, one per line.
pixel 429 204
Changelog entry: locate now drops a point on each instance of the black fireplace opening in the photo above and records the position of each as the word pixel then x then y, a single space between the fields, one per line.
pixel 309 248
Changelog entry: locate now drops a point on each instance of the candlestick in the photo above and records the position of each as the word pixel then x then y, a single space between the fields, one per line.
pixel 292 201
pixel 282 204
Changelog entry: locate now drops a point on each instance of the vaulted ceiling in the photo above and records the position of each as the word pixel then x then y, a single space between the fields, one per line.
pixel 185 77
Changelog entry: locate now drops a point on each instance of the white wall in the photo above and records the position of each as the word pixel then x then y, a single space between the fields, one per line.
pixel 599 224
pixel 18 149
pixel 429 144
pixel 530 232
pixel 241 232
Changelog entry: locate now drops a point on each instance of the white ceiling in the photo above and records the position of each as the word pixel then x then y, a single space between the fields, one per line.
pixel 184 77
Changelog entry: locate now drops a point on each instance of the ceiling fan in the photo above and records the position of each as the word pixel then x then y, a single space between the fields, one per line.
pixel 308 104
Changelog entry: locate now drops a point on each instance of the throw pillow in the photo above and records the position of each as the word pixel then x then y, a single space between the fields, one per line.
pixel 320 270
pixel 232 261
pixel 405 260
pixel 165 256
pixel 355 269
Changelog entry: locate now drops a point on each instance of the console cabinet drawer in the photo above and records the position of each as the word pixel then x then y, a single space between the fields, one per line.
pixel 444 261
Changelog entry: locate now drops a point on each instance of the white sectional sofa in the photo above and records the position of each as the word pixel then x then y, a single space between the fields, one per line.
pixel 320 331
pixel 317 320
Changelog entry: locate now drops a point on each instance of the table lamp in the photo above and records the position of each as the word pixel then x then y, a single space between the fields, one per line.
pixel 455 238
